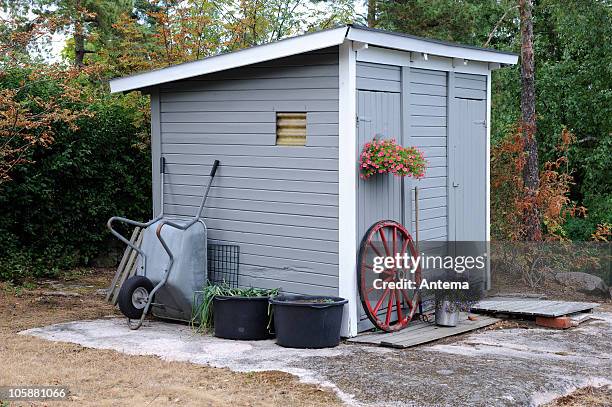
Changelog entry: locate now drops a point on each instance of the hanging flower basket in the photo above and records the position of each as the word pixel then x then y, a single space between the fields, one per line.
pixel 386 156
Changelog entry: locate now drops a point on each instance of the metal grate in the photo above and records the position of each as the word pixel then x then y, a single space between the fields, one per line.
pixel 223 261
pixel 290 129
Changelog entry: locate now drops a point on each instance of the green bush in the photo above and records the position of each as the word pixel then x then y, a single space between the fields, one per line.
pixel 53 212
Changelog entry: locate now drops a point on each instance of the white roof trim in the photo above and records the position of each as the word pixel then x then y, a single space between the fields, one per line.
pixel 262 53
pixel 306 43
pixel 408 43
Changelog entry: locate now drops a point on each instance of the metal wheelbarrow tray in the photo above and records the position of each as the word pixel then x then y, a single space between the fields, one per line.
pixel 171 265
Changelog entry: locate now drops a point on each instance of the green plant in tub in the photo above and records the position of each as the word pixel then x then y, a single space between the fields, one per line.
pixel 202 314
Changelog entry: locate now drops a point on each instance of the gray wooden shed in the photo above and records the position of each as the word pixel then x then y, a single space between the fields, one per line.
pixel 295 204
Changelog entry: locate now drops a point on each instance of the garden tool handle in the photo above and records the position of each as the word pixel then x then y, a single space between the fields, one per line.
pixel 214 169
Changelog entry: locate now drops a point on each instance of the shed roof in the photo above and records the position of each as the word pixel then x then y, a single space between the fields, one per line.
pixel 310 42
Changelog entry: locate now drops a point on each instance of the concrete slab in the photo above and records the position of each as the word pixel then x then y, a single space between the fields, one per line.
pixel 504 367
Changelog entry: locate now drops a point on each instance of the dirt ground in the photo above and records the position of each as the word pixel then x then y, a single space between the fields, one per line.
pixel 105 378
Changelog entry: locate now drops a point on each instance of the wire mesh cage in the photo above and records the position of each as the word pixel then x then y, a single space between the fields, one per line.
pixel 223 264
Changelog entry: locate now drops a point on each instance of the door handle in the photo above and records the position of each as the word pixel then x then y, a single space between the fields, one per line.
pixel 455 184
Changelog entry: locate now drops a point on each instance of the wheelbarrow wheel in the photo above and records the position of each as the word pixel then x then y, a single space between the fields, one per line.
pixel 134 295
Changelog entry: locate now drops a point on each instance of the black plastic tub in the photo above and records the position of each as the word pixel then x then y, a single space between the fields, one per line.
pixel 243 318
pixel 307 321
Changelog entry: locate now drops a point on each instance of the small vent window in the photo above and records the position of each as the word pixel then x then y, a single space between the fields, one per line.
pixel 290 129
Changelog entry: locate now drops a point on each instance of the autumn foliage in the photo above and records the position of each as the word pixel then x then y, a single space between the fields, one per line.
pixel 28 119
pixel 551 200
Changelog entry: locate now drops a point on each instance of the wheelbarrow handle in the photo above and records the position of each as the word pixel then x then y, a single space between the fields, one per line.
pixel 213 171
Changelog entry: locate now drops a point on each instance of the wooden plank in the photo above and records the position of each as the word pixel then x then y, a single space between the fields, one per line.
pixel 256 173
pixel 252 106
pixel 470 83
pixel 419 332
pixel 378 71
pixel 321 82
pixel 279 252
pixel 124 258
pixel 246 204
pixel 219 128
pixel 274 95
pixel 470 93
pixel 441 332
pixel 258 151
pixel 129 267
pixel 380 85
pixel 531 307
pixel 304 198
pixel 270 184
pixel 182 161
pixel 258 216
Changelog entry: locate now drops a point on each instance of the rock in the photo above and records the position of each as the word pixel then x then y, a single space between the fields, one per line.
pixel 60 294
pixel 101 291
pixel 584 282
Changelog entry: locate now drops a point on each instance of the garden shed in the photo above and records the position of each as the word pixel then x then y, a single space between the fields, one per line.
pixel 287 121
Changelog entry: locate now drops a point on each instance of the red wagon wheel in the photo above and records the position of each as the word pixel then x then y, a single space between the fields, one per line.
pixel 388 308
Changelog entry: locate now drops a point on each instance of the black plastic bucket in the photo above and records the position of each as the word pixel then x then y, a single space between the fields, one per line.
pixel 307 321
pixel 241 317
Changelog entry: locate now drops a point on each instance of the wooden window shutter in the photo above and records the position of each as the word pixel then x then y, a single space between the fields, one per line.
pixel 290 129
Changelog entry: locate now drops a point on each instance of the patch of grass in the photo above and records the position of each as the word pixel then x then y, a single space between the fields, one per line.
pixel 586 396
pixel 76 273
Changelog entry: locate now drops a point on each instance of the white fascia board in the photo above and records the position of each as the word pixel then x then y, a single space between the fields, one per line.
pixel 405 43
pixel 262 53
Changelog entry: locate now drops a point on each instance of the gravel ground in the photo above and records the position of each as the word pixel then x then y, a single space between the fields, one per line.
pixel 500 367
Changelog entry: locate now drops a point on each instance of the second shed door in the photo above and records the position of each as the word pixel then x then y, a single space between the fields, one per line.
pixel 468 171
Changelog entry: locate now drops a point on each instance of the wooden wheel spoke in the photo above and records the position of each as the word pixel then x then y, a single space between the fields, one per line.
pixel 398 305
pixel 380 301
pixel 404 246
pixel 375 249
pixel 383 238
pixel 389 308
pixel 407 298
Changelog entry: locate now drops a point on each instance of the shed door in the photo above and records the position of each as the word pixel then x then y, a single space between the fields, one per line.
pixel 379 197
pixel 468 171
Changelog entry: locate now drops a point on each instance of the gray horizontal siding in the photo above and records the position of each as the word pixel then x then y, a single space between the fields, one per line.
pixel 280 204
pixel 377 77
pixel 469 86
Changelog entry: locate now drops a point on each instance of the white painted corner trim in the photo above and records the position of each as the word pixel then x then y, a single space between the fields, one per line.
pixel 249 56
pixel 347 188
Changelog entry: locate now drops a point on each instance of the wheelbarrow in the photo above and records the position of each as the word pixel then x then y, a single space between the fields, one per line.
pixel 171 265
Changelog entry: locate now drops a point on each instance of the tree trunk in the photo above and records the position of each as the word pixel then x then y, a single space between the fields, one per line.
pixel 531 216
pixel 79 37
pixel 372 8
pixel 79 48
